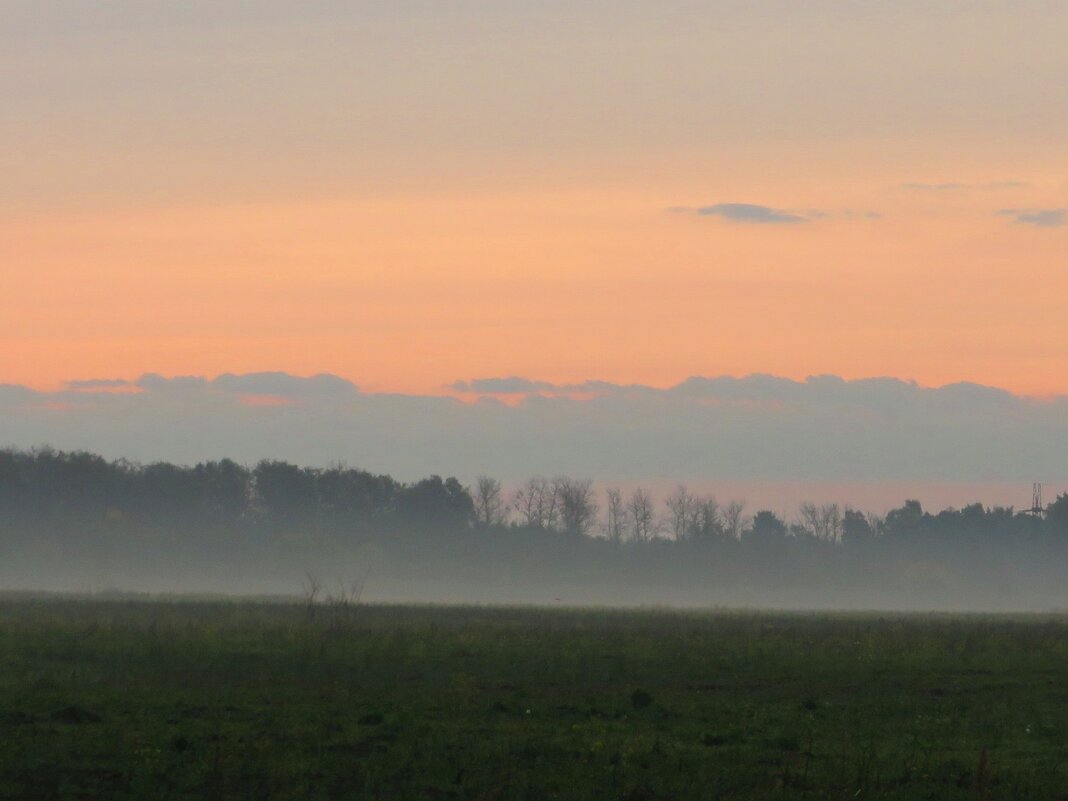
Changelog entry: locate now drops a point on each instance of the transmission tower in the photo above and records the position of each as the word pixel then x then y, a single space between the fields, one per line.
pixel 1037 509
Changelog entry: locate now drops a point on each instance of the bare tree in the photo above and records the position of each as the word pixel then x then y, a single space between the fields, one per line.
pixel 345 603
pixel 525 503
pixel 706 519
pixel 312 587
pixel 489 503
pixel 822 522
pixel 640 509
pixel 551 505
pixel 680 505
pixel 734 519
pixel 831 522
pixel 578 509
pixel 810 518
pixel 876 522
pixel 616 522
pixel 537 503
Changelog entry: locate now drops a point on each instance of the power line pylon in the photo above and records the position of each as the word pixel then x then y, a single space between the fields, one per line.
pixel 1037 509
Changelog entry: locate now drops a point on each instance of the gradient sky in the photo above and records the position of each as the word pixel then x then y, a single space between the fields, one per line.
pixel 403 193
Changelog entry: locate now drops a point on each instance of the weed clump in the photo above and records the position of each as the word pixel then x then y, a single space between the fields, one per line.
pixel 640 699
pixel 74 715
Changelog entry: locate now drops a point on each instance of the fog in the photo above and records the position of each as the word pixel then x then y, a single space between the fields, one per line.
pixel 75 522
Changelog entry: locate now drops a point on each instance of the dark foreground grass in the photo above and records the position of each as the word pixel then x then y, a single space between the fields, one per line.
pixel 116 700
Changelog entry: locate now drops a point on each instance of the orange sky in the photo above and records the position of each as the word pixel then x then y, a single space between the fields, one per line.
pixel 491 212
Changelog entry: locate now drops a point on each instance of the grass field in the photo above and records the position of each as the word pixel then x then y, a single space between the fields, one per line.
pixel 203 700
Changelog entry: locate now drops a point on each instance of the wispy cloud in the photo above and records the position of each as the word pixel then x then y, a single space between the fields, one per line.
pixel 954 186
pixel 925 187
pixel 1005 185
pixel 751 213
pixel 768 215
pixel 1042 218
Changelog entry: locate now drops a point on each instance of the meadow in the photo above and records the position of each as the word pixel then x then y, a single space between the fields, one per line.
pixel 217 699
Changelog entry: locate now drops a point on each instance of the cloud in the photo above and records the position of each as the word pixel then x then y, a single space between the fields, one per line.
pixel 283 385
pixel 945 187
pixel 952 186
pixel 1006 185
pixel 706 428
pixel 750 213
pixel 155 382
pixel 89 385
pixel 1042 218
pixel 510 385
pixel 753 213
pixel 517 385
pixel 853 214
pixel 265 384
pixel 15 394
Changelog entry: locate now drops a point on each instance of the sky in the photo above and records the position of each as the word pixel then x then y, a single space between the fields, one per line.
pixel 411 193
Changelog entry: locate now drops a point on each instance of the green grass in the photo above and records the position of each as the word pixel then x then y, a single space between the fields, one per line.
pixel 142 700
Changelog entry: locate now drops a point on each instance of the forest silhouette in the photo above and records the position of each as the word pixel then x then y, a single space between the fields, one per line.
pixel 74 520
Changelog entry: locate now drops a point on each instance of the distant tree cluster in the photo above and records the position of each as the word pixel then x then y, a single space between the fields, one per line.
pixel 58 502
pixel 50 485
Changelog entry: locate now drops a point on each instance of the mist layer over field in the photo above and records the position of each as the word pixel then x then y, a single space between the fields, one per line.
pixel 76 522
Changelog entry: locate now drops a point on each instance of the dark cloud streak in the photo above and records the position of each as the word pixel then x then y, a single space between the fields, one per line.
pixel 751 213
pixel 1041 218
pixel 951 186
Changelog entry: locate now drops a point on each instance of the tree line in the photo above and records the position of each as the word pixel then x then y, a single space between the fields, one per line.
pixel 48 486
